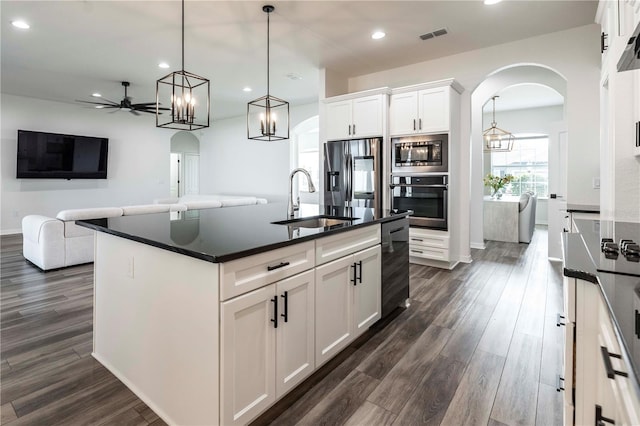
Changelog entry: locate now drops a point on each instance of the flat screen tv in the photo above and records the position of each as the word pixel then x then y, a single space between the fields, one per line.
pixel 54 156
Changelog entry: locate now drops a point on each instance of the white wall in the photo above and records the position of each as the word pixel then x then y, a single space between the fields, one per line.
pixel 232 164
pixel 570 53
pixel 138 162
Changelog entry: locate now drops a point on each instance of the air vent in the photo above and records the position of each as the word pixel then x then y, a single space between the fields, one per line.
pixel 436 33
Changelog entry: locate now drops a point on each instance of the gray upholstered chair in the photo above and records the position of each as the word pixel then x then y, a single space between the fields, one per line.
pixel 527 216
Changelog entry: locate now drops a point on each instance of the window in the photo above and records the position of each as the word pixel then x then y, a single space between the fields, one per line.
pixel 528 162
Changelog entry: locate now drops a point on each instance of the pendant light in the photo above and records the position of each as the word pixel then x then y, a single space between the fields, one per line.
pixel 268 116
pixel 189 97
pixel 496 139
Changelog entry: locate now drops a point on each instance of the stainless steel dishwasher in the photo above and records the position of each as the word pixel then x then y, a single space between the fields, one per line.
pixel 395 265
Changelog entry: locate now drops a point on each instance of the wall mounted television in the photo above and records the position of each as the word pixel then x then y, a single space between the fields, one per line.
pixel 55 156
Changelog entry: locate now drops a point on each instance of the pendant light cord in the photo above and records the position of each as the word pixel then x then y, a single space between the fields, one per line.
pixel 183 35
pixel 268 22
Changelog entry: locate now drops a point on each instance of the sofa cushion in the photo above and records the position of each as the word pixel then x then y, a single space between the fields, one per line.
pixel 240 201
pixel 201 204
pixel 93 213
pixel 145 209
pixel 524 200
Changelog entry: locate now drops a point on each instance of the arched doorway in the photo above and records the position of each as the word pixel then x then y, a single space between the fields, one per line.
pixel 184 172
pixel 305 153
pixel 501 82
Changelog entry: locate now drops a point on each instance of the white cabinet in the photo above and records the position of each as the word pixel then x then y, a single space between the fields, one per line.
pixel 348 300
pixel 428 244
pixel 360 117
pixel 247 356
pixel 266 346
pixel 421 111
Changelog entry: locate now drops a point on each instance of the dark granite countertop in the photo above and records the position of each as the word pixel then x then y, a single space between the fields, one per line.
pixel 582 208
pixel 618 279
pixel 224 234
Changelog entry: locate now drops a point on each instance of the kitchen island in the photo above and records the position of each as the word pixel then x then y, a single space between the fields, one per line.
pixel 210 316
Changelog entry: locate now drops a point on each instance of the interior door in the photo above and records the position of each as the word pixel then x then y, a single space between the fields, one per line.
pixel 557 204
pixel 191 171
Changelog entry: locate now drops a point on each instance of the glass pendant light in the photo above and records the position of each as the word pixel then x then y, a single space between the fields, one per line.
pixel 189 96
pixel 268 116
pixel 496 139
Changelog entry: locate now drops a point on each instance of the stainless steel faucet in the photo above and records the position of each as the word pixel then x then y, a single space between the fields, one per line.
pixel 294 207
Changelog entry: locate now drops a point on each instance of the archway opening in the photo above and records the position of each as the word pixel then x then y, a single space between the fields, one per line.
pixel 184 169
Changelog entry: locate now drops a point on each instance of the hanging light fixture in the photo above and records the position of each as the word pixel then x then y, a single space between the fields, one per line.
pixel 268 116
pixel 496 139
pixel 189 97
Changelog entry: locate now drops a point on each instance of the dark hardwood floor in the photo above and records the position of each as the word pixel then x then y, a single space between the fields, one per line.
pixel 478 346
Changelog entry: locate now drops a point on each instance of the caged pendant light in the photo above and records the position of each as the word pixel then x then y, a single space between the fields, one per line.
pixel 496 139
pixel 189 96
pixel 268 116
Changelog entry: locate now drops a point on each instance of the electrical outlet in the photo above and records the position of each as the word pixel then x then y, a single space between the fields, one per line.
pixel 596 183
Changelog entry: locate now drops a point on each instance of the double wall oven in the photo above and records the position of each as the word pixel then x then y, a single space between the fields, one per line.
pixel 419 179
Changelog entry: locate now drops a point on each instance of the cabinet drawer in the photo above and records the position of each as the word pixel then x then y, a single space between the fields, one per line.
pixel 336 246
pixel 424 238
pixel 429 252
pixel 252 272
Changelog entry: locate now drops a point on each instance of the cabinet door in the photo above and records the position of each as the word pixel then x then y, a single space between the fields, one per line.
pixel 367 291
pixel 247 356
pixel 403 114
pixel 334 307
pixel 339 120
pixel 433 107
pixel 295 333
pixel 367 117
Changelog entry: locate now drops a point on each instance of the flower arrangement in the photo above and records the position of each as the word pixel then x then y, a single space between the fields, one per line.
pixel 496 182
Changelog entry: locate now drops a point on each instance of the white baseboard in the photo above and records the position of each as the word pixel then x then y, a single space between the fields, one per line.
pixel 10 231
pixel 479 246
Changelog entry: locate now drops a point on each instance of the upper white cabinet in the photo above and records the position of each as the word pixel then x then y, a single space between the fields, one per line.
pixel 355 115
pixel 422 111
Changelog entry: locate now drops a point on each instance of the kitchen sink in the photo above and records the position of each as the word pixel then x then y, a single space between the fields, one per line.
pixel 321 221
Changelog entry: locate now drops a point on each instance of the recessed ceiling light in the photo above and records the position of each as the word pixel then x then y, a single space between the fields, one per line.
pixel 246 89
pixel 294 77
pixel 96 95
pixel 19 23
pixel 490 2
pixel 378 35
pixel 163 65
pixel 99 106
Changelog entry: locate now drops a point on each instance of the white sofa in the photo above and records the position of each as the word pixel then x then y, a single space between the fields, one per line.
pixel 52 243
pixel 527 216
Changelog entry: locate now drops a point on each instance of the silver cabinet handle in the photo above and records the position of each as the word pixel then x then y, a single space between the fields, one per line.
pixel 414 124
pixel 349 130
pixel 420 123
pixel 354 129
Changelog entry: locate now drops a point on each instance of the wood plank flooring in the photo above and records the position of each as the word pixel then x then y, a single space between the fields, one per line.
pixel 478 346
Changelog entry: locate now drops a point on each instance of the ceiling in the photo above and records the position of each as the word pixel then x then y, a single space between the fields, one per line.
pixel 75 48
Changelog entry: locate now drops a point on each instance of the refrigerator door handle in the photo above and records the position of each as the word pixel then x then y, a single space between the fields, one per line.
pixel 349 189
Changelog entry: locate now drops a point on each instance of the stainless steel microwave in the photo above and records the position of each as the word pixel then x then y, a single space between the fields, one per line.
pixel 420 154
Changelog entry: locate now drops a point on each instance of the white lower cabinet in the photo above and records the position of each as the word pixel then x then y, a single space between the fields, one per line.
pixel 348 300
pixel 266 346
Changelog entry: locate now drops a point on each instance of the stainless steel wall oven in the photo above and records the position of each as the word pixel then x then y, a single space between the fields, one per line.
pixel 420 154
pixel 426 195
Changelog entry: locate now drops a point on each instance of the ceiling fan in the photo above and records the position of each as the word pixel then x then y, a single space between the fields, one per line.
pixel 126 104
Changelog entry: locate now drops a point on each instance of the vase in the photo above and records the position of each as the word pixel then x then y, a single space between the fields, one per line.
pixel 499 195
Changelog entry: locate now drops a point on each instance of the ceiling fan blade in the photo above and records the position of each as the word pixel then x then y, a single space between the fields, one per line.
pixel 144 104
pixel 111 105
pixel 134 112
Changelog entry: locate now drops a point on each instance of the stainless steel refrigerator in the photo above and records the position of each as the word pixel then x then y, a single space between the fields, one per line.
pixel 352 173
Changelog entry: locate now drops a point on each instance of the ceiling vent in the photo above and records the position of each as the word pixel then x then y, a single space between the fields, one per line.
pixel 436 33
